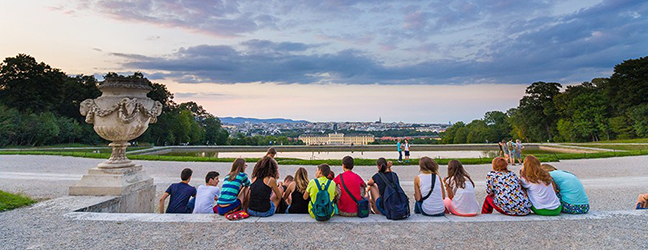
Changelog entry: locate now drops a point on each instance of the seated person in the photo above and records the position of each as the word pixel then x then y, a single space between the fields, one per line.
pixel 207 194
pixel 283 204
pixel 355 186
pixel 264 184
pixel 642 201
pixel 539 187
pixel 377 185
pixel 504 191
pixel 429 197
pixel 312 189
pixel 570 190
pixel 294 194
pixel 234 195
pixel 180 194
pixel 461 198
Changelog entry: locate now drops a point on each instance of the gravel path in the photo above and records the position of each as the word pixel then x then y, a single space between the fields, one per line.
pixel 611 184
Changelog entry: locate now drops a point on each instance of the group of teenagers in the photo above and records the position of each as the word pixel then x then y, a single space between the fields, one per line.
pixel 540 189
pixel 511 150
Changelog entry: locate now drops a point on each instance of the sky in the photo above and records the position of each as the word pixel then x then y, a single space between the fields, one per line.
pixel 426 61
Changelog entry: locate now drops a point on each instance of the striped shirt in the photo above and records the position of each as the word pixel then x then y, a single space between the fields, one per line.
pixel 230 189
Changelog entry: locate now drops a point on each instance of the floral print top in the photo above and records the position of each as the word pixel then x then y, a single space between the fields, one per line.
pixel 507 191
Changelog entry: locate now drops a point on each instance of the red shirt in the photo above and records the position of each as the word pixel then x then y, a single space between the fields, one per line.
pixel 353 182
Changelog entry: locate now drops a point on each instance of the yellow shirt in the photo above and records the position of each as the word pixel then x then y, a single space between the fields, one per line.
pixel 312 192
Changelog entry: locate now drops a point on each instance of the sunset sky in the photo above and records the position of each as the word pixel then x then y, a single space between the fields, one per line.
pixel 334 60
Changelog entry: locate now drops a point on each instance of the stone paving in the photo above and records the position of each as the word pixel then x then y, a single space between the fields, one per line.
pixel 612 185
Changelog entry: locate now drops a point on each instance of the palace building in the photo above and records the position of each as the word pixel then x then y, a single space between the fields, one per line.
pixel 336 139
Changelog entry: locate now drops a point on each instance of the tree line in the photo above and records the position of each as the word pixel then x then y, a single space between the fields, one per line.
pixel 601 109
pixel 39 105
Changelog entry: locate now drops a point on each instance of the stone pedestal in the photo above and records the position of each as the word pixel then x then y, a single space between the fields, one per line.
pixel 135 189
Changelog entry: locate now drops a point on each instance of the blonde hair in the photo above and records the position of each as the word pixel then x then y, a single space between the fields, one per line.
pixel 533 173
pixel 301 180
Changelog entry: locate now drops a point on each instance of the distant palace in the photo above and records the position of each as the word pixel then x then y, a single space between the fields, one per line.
pixel 336 139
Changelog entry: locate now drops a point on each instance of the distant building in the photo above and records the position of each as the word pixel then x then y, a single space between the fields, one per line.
pixel 336 139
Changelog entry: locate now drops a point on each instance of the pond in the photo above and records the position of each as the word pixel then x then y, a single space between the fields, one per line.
pixel 314 155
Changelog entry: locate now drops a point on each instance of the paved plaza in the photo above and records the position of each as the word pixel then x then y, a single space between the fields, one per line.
pixel 612 185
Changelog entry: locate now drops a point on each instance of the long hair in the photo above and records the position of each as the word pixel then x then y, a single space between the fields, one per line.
pixel 237 167
pixel 382 163
pixel 271 151
pixel 427 164
pixel 500 165
pixel 266 167
pixel 458 174
pixel 533 172
pixel 301 180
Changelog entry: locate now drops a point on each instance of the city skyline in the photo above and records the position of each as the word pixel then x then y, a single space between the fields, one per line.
pixel 331 60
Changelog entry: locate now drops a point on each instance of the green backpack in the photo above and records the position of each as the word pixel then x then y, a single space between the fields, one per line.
pixel 322 206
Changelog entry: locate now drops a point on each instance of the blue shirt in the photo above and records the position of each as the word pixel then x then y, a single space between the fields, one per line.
pixel 398 146
pixel 571 189
pixel 180 194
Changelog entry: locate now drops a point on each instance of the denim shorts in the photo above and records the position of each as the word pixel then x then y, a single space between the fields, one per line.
pixel 418 209
pixel 380 209
pixel 263 214
pixel 232 207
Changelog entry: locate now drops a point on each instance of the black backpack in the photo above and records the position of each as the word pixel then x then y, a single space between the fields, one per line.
pixel 395 200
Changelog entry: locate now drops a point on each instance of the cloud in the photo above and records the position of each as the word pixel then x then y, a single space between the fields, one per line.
pixel 484 42
pixel 218 17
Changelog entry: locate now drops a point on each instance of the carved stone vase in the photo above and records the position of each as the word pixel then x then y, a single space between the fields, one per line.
pixel 122 113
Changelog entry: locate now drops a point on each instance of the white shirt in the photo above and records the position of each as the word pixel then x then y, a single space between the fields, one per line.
pixel 464 200
pixel 541 196
pixel 434 203
pixel 205 199
pixel 407 148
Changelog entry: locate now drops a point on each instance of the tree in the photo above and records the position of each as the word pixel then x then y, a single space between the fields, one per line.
pixel 584 111
pixel 30 86
pixel 74 91
pixel 498 124
pixel 537 113
pixel 628 85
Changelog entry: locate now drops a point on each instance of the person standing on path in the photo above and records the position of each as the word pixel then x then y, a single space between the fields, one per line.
pixel 406 147
pixel 518 150
pixel 511 149
pixel 399 148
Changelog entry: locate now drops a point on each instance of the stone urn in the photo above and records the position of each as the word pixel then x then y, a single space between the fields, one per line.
pixel 122 113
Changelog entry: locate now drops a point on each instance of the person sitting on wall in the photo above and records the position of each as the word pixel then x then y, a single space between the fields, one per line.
pixel 180 194
pixel 642 201
pixel 207 194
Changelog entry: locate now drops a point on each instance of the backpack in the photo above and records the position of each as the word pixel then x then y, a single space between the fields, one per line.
pixel 395 201
pixel 363 204
pixel 322 206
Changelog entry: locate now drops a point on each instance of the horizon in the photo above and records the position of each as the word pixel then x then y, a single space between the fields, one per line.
pixel 322 61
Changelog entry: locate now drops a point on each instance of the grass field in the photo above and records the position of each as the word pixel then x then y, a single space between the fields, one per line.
pixel 9 201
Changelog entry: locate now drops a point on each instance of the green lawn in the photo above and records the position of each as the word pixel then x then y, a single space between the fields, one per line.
pixel 9 201
pixel 638 140
pixel 542 155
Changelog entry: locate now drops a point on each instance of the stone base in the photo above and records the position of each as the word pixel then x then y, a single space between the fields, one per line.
pixel 134 188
